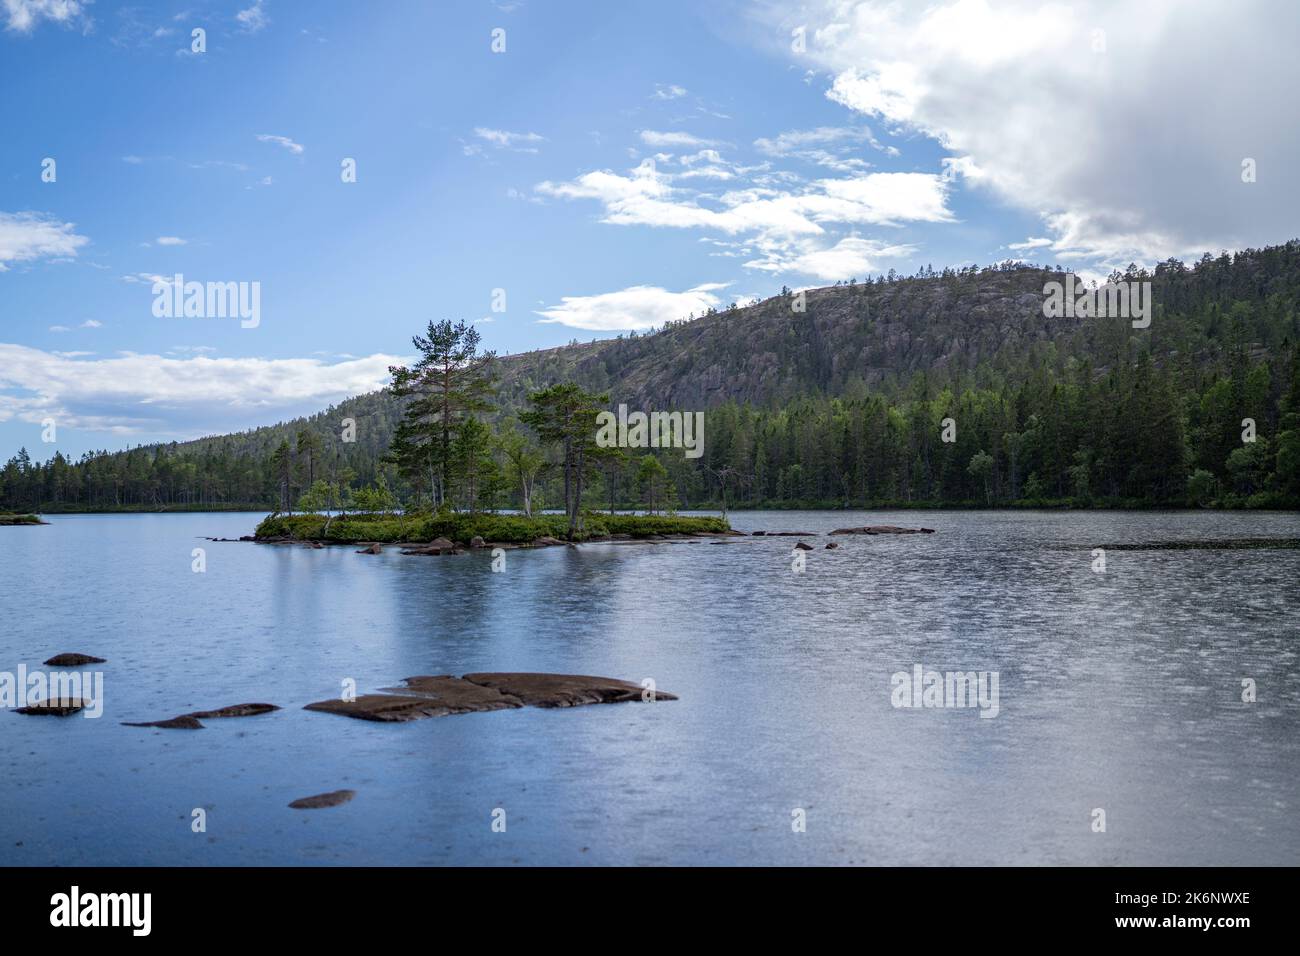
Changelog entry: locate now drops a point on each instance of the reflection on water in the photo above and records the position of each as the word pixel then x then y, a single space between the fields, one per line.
pixel 1119 691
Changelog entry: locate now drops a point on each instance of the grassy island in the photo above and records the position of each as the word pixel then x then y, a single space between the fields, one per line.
pixel 13 519
pixel 463 528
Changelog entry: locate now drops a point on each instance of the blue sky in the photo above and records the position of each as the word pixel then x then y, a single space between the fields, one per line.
pixel 616 165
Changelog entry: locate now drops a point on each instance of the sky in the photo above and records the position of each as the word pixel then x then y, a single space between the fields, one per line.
pixel 556 171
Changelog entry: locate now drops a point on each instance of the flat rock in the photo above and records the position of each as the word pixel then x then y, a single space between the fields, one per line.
pixel 234 710
pixel 185 722
pixel 455 695
pixel 563 690
pixel 789 534
pixel 883 529
pixel 389 708
pixel 55 707
pixel 73 660
pixel 321 800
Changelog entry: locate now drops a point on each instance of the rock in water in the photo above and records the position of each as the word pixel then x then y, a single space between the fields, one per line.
pixel 73 660
pixel 373 549
pixel 321 800
pixel 174 723
pixel 563 690
pixel 832 544
pixel 234 710
pixel 389 708
pixel 803 546
pixel 55 707
pixel 477 542
pixel 883 529
pixel 455 695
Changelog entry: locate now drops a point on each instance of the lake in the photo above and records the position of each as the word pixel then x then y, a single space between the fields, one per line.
pixel 1118 691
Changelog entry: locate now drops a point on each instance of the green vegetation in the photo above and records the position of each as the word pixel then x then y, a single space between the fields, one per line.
pixel 838 406
pixel 461 528
pixel 12 519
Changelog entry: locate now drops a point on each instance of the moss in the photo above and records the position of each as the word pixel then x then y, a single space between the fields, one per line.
pixel 13 519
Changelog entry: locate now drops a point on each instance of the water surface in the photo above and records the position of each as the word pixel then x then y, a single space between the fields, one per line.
pixel 1119 691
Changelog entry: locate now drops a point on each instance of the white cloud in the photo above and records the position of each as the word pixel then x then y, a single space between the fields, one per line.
pixel 91 324
pixel 26 236
pixel 170 241
pixel 638 307
pixel 183 397
pixel 678 140
pixel 504 139
pixel 1070 111
pixel 284 141
pixel 22 16
pixel 670 91
pixel 252 19
pixel 849 258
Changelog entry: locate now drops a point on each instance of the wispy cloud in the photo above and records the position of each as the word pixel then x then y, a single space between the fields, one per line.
pixel 253 18
pixel 284 141
pixel 23 16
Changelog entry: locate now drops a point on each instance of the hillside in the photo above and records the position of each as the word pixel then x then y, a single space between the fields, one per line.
pixel 913 345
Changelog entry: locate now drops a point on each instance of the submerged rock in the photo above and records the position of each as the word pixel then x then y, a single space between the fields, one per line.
pixel 184 722
pixel 388 708
pixel 55 707
pixel 321 800
pixel 441 695
pixel 191 721
pixel 234 710
pixel 563 690
pixel 73 660
pixel 883 529
pixel 455 695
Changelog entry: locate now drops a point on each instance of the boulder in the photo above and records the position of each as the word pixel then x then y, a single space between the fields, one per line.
pixel 477 542
pixel 832 544
pixel 803 546
pixel 322 800
pixel 373 549
pixel 73 660
pixel 435 547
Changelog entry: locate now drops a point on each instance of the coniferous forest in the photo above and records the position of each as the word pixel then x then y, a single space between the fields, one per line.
pixel 949 388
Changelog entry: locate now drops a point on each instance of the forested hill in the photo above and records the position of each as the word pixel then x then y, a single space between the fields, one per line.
pixel 1220 347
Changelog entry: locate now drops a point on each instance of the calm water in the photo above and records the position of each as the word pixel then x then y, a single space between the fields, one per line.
pixel 1119 690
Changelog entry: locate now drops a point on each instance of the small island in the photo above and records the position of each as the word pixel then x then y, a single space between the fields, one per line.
pixel 7 518
pixel 481 529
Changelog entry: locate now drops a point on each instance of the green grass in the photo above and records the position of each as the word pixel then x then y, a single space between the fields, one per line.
pixel 13 519
pixel 509 529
